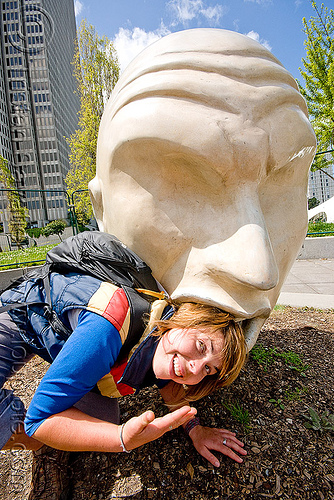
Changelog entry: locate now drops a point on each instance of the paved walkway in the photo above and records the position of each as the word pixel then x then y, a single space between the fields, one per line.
pixel 310 283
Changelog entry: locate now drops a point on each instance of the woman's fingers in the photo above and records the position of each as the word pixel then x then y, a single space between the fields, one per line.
pixel 175 419
pixel 145 428
pixel 208 439
pixel 230 436
pixel 146 418
pixel 206 453
pixel 235 444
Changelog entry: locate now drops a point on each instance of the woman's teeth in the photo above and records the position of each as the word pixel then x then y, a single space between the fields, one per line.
pixel 177 369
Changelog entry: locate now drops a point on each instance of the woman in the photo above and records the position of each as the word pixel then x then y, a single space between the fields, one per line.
pixel 187 350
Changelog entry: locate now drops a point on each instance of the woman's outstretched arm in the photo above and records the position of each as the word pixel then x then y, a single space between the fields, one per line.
pixel 73 430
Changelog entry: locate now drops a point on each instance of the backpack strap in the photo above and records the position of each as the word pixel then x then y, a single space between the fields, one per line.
pixel 157 295
pixel 50 315
pixel 139 308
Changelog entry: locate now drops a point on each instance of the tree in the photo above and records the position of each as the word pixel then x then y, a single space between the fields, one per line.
pixel 96 69
pixel 318 74
pixel 17 214
pixel 54 227
pixel 312 202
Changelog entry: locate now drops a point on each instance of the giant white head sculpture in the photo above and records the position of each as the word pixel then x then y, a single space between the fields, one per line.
pixel 202 166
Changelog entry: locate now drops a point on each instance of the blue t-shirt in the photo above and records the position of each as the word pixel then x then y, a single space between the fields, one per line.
pixel 88 355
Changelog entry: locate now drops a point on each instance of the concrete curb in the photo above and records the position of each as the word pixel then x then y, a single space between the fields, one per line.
pixel 319 247
pixel 7 277
pixel 316 300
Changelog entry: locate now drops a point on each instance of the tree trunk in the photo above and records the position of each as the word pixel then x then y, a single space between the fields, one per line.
pixel 51 475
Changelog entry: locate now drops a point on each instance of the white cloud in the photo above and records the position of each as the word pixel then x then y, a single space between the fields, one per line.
pixel 77 7
pixel 260 2
pixel 214 14
pixel 187 10
pixel 255 36
pixel 128 43
pixel 236 24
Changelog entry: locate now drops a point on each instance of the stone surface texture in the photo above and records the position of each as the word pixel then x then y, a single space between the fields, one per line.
pixel 202 165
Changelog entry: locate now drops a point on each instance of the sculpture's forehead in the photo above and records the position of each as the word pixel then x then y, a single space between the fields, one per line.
pixel 217 68
pixel 214 96
pixel 203 49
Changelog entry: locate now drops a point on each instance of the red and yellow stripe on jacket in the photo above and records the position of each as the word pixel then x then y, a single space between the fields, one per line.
pixel 111 302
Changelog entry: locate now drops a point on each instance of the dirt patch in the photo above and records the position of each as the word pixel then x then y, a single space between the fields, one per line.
pixel 267 406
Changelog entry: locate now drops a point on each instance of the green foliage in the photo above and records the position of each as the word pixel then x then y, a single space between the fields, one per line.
pixel 318 74
pixel 293 361
pixel 279 307
pixel 34 232
pixel 317 227
pixel 263 356
pixel 96 69
pixel 18 214
pixel 295 395
pixel 312 202
pixel 239 414
pixel 324 422
pixel 266 356
pixel 10 259
pixel 54 227
pixel 278 403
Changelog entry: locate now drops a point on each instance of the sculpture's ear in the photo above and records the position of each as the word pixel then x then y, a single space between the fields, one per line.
pixel 95 192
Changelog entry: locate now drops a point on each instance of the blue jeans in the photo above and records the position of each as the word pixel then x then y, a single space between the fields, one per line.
pixel 14 353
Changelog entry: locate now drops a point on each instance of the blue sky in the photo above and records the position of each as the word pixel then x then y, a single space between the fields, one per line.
pixel 133 24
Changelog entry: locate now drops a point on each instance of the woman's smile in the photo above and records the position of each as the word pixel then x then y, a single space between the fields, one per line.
pixel 176 366
pixel 186 356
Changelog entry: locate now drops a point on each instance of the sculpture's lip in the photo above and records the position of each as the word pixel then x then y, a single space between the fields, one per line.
pixel 256 308
pixel 251 317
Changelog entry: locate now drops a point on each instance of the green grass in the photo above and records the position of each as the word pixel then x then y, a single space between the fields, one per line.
pixel 239 414
pixel 318 227
pixel 293 361
pixel 295 395
pixel 9 260
pixel 279 307
pixel 265 356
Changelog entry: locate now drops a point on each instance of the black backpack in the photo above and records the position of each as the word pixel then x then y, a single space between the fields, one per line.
pixel 105 257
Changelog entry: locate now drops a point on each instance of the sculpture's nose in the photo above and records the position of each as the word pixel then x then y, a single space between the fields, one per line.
pixel 238 268
pixel 246 257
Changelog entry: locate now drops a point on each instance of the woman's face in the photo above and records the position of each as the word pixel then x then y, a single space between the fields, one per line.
pixel 186 356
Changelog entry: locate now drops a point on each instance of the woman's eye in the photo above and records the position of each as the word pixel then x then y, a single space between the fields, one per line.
pixel 201 346
pixel 207 369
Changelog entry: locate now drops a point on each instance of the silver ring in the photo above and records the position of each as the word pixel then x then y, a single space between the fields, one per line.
pixel 225 441
pixel 170 427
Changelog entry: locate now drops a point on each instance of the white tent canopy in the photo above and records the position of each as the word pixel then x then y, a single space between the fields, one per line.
pixel 327 207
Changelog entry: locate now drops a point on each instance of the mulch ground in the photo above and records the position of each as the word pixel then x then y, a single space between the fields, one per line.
pixel 289 374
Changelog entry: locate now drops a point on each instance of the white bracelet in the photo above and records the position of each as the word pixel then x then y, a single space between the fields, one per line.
pixel 121 439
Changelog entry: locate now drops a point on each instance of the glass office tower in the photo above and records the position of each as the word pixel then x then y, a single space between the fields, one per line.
pixel 37 46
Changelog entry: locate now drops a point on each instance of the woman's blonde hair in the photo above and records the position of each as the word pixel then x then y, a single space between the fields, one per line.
pixel 190 315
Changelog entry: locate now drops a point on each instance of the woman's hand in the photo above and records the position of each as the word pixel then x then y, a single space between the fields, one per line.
pixel 73 430
pixel 205 439
pixel 145 428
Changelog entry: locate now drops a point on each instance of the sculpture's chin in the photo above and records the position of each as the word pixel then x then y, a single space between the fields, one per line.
pixel 252 328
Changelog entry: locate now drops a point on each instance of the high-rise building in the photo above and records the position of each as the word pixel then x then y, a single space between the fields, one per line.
pixel 321 185
pixel 38 102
